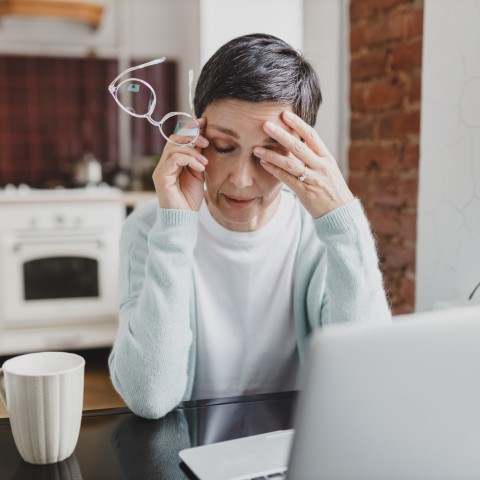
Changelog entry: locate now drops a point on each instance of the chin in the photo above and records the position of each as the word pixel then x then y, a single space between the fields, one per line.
pixel 237 221
pixel 240 218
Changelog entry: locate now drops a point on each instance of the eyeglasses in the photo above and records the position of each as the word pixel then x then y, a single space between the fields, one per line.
pixel 137 98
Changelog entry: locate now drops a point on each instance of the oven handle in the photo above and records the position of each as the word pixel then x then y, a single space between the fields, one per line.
pixel 19 245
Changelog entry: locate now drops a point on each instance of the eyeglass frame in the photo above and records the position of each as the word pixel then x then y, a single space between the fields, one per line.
pixel 113 89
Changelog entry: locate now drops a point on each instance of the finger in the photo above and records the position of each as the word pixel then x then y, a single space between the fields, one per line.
pixel 202 123
pixel 293 144
pixel 196 162
pixel 201 142
pixel 190 171
pixel 307 132
pixel 290 164
pixel 178 159
pixel 288 179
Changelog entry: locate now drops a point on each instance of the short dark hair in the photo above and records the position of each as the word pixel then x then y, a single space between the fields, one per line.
pixel 260 67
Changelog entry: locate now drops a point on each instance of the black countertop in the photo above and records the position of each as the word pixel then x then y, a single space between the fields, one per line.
pixel 116 444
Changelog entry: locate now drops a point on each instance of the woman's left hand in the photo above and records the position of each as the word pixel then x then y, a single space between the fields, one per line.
pixel 323 187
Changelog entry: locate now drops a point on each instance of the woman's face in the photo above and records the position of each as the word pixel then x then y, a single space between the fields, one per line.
pixel 241 195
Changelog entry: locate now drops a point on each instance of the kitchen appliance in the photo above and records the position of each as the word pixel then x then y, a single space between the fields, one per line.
pixel 58 267
pixel 87 171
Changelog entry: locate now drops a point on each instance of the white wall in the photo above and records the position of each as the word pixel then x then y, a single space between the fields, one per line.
pixel 448 242
pixel 326 46
pixel 165 28
pixel 222 20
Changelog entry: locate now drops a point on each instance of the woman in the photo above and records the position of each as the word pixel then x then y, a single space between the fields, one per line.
pixel 255 240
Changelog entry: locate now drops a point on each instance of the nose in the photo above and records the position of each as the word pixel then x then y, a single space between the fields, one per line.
pixel 242 174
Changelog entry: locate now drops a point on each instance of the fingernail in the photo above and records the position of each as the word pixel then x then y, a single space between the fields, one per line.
pixel 258 151
pixel 288 114
pixel 204 159
pixel 271 127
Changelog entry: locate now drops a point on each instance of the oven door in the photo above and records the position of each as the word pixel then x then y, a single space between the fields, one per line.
pixel 51 281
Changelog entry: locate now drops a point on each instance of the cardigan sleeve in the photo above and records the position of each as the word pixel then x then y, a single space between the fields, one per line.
pixel 150 356
pixel 353 283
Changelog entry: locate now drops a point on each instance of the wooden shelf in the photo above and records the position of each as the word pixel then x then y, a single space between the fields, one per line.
pixel 87 12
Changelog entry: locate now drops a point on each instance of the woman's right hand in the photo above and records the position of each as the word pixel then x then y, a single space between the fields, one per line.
pixel 179 175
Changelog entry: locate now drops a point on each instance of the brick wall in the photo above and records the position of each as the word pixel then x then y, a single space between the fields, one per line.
pixel 386 56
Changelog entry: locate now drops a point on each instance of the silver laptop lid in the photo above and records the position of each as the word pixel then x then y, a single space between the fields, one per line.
pixel 395 401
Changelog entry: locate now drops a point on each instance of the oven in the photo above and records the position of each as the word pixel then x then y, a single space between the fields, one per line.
pixel 59 269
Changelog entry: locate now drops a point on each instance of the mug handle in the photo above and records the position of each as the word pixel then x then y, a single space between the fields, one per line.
pixel 3 395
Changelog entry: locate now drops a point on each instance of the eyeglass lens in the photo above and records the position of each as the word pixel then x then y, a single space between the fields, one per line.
pixel 136 97
pixel 181 129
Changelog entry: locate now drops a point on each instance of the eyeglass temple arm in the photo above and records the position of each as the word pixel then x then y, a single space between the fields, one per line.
pixel 190 83
pixel 131 69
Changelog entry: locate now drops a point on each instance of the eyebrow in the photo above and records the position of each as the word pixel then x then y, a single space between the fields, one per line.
pixel 235 135
pixel 227 131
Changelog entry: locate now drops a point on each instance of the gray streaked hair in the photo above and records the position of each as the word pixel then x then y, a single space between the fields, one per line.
pixel 259 68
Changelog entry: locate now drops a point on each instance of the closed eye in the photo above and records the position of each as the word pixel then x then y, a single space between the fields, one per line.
pixel 223 150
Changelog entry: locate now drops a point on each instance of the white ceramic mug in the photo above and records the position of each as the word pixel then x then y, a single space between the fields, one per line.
pixel 43 393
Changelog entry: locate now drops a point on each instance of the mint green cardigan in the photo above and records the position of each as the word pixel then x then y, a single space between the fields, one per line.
pixel 152 363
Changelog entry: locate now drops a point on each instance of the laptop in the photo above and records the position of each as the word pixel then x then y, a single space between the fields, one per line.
pixel 390 401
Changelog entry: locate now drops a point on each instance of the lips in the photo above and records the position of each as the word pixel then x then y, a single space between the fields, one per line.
pixel 238 202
